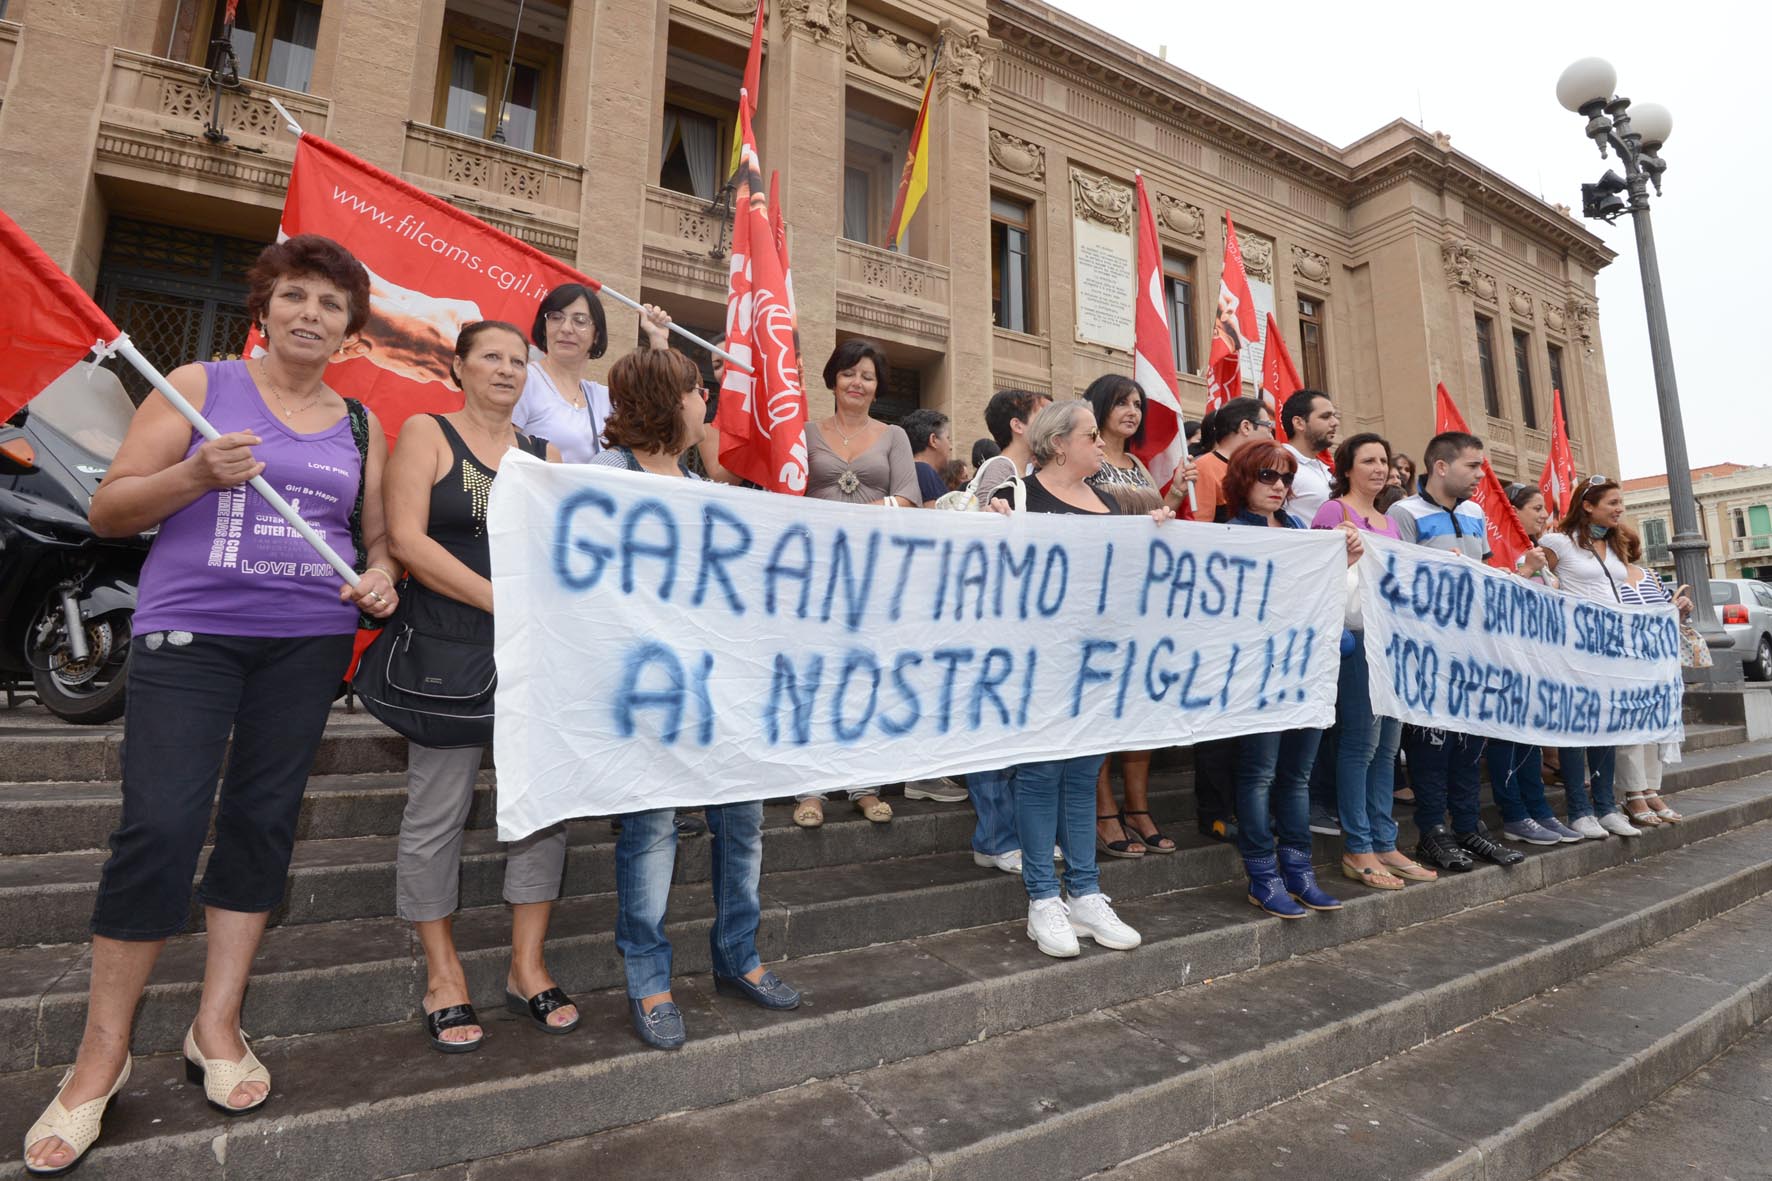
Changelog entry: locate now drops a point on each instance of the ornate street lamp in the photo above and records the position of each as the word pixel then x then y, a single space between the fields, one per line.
pixel 1637 134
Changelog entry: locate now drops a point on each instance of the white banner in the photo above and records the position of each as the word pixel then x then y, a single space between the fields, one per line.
pixel 1457 645
pixel 670 643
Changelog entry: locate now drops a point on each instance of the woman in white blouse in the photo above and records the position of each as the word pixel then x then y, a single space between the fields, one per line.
pixel 560 403
pixel 1586 553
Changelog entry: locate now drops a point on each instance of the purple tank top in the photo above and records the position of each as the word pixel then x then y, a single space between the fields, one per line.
pixel 227 563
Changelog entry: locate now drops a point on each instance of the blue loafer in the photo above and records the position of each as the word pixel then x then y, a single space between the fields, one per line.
pixel 772 992
pixel 662 1029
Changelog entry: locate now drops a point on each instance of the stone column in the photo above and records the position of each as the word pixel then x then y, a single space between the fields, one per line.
pixel 960 220
pixel 373 87
pixel 803 104
pixel 60 74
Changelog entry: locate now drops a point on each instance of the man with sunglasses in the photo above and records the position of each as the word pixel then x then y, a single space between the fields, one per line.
pixel 1443 764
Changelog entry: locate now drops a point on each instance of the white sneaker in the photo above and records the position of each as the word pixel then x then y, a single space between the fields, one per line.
pixel 1057 853
pixel 1614 822
pixel 1588 827
pixel 1009 862
pixel 942 791
pixel 1092 916
pixel 1049 925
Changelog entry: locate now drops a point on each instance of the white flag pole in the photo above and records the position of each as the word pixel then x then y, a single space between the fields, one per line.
pixel 731 360
pixel 123 348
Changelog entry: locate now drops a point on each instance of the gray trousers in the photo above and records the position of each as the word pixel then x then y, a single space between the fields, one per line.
pixel 439 793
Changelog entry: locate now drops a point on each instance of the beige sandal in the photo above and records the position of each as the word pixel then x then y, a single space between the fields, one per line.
pixel 77 1128
pixel 1378 879
pixel 219 1077
pixel 1654 800
pixel 1410 871
pixel 809 813
pixel 879 811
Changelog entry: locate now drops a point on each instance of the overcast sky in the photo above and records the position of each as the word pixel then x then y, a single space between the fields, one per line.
pixel 1486 74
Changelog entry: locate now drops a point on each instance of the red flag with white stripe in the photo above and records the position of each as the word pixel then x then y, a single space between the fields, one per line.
pixel 1558 481
pixel 1153 357
pixel 1232 324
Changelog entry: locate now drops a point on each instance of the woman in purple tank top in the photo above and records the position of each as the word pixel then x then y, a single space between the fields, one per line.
pixel 241 629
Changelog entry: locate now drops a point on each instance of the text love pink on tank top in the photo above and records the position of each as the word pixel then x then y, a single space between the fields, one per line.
pixel 227 563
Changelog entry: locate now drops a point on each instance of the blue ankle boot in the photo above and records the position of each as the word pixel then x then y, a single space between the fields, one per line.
pixel 1301 880
pixel 1267 891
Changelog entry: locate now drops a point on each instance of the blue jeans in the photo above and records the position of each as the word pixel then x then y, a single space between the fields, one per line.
pixel 1365 762
pixel 1325 796
pixel 1577 761
pixel 1055 804
pixel 646 853
pixel 993 798
pixel 1444 765
pixel 1273 774
pixel 1516 777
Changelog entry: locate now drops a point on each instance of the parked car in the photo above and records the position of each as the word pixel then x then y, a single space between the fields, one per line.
pixel 1744 608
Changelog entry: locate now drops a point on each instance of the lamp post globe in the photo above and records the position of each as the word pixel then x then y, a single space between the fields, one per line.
pixel 1652 121
pixel 1590 80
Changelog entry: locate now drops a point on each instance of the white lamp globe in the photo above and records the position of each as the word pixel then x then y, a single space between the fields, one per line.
pixel 1653 122
pixel 1592 79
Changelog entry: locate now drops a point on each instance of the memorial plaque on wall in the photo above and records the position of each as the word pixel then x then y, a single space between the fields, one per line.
pixel 1105 269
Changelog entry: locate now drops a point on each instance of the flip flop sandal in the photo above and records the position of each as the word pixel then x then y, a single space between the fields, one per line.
pixel 1411 872
pixel 1378 879
pixel 540 1006
pixel 1121 848
pixel 1153 840
pixel 452 1017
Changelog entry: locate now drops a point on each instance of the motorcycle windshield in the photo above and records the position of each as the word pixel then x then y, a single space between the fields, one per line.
pixel 88 406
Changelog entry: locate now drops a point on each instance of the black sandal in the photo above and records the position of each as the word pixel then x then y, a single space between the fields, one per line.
pixel 538 1007
pixel 452 1017
pixel 1153 842
pixel 1121 848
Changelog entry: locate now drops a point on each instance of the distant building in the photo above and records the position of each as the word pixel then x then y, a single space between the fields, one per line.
pixel 1734 513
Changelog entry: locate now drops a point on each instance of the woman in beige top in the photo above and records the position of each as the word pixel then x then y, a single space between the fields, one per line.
pixel 856 458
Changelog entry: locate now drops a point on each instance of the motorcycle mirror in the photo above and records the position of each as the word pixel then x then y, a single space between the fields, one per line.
pixel 18 453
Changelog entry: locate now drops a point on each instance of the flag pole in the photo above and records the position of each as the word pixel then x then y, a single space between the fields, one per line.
pixel 125 349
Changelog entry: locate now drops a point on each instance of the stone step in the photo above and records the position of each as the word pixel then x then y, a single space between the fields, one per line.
pixel 1512 1094
pixel 1118 1080
pixel 377 1101
pixel 1709 736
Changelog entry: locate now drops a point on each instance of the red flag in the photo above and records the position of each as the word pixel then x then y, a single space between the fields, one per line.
pixel 1233 323
pixel 1279 377
pixel 778 229
pixel 49 323
pixel 1558 481
pixel 1507 537
pixel 432 269
pixel 1153 356
pixel 762 415
pixel 750 88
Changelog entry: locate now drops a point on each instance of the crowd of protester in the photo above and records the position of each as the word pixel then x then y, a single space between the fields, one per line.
pixel 219 652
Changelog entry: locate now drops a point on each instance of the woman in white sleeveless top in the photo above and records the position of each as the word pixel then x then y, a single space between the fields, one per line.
pixel 559 402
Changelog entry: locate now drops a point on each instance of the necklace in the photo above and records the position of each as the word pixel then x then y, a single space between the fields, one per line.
pixel 264 374
pixel 577 403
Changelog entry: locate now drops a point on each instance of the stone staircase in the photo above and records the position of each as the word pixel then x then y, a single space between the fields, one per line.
pixel 935 1040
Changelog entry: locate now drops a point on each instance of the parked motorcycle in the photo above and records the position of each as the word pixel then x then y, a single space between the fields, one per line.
pixel 67 596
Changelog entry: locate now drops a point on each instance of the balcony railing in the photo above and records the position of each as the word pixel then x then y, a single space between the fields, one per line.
pixel 1756 544
pixel 527 195
pixel 891 275
pixel 9 31
pixel 680 235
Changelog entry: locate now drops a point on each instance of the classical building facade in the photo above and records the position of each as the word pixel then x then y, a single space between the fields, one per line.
pixel 1734 514
pixel 599 131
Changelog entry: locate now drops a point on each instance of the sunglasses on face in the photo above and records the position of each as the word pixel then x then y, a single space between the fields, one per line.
pixel 1268 475
pixel 1093 435
pixel 1264 425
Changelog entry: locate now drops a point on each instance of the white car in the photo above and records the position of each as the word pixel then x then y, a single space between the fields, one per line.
pixel 1744 608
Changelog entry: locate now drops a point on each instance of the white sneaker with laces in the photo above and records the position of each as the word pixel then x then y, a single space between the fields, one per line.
pixel 1092 916
pixel 1049 925
pixel 1588 827
pixel 942 791
pixel 1614 822
pixel 1009 862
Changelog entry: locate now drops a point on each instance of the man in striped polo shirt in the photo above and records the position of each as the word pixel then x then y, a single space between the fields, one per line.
pixel 1443 764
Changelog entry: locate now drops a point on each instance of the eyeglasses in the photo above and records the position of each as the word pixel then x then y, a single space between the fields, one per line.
pixel 1268 475
pixel 579 319
pixel 1263 424
pixel 1093 435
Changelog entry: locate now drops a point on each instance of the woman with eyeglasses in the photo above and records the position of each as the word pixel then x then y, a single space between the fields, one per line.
pixel 1585 553
pixel 1273 770
pixel 559 402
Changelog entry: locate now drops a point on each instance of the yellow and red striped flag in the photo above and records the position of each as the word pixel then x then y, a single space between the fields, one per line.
pixel 915 180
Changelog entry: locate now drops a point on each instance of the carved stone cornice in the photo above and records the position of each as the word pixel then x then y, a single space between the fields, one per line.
pixel 885 52
pixel 1520 303
pixel 1181 217
pixel 816 20
pixel 1098 199
pixel 1310 266
pixel 965 64
pixel 1018 157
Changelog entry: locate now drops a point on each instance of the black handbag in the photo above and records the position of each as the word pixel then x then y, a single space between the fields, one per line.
pixel 429 676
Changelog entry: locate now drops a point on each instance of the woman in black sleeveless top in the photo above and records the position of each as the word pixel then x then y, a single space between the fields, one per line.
pixel 437 486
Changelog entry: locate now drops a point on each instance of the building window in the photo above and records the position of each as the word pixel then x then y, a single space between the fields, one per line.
pixel 693 159
pixel 1011 280
pixel 273 40
pixel 858 217
pixel 1555 353
pixel 1178 290
pixel 1486 364
pixel 876 135
pixel 1523 374
pixel 1655 535
pixel 480 78
pixel 1310 336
